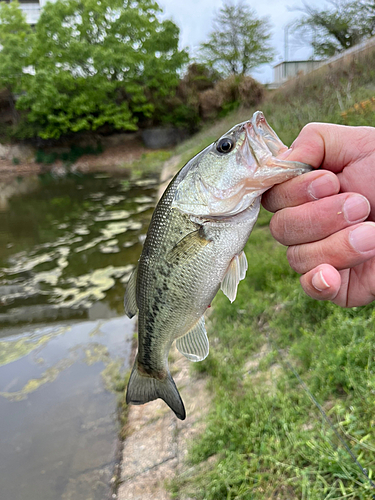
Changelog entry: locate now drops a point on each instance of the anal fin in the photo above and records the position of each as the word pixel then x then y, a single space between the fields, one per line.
pixel 194 344
pixel 235 273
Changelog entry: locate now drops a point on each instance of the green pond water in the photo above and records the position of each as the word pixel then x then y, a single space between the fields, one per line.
pixel 67 248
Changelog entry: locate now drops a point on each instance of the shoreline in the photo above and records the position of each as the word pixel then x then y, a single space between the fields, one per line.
pixel 155 442
pixel 115 159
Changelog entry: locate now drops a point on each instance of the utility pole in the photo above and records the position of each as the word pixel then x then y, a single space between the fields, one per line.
pixel 286 40
pixel 286 36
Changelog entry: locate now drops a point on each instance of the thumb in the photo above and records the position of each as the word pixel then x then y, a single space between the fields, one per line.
pixel 330 146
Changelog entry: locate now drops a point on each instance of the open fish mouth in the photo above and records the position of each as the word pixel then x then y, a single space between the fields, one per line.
pixel 261 140
pixel 223 183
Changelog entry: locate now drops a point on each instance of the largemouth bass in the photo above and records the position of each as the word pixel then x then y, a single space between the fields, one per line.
pixel 194 247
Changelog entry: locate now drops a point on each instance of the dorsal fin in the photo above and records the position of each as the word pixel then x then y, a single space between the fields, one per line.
pixel 130 299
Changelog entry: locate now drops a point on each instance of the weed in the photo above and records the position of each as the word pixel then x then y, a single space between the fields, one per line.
pixel 264 438
pixel 149 163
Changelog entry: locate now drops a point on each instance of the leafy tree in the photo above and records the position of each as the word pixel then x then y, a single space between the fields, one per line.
pixel 16 39
pixel 367 13
pixel 337 28
pixel 238 42
pixel 99 63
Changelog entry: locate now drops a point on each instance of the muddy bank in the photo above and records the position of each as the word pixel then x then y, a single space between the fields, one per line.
pixel 156 442
pixel 118 154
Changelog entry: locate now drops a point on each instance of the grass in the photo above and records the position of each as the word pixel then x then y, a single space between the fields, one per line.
pixel 149 163
pixel 268 438
pixel 265 438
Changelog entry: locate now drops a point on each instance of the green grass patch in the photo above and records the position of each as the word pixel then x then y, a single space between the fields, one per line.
pixel 265 438
pixel 149 163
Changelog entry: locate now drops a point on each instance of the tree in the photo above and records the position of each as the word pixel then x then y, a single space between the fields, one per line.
pixel 238 42
pixel 16 40
pixel 338 28
pixel 99 63
pixel 367 13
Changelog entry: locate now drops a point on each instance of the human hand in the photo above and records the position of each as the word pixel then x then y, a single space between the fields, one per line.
pixel 320 215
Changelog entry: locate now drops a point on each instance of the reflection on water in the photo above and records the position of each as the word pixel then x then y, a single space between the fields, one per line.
pixel 70 244
pixel 67 249
pixel 58 418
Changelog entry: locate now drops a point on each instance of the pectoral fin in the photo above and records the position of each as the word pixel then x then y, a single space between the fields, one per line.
pixel 130 300
pixel 235 273
pixel 194 345
pixel 188 247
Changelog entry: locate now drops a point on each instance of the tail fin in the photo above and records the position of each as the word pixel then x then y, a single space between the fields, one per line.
pixel 142 389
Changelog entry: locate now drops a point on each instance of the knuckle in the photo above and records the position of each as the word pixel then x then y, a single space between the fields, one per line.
pixel 294 225
pixel 277 226
pixel 295 258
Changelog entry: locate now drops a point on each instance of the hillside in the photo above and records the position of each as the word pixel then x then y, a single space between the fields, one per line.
pixel 274 347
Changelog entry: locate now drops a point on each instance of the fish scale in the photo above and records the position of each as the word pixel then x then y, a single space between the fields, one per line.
pixel 194 246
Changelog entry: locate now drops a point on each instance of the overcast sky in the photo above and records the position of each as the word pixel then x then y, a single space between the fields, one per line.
pixel 194 18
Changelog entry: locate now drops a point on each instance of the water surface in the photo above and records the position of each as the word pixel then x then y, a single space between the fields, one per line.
pixel 67 249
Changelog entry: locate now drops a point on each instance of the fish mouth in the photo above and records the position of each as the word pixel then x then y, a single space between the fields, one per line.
pixel 258 152
pixel 262 139
pixel 247 174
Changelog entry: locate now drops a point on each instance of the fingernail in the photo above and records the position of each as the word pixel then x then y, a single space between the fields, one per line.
pixel 319 283
pixel 362 238
pixel 285 154
pixel 356 208
pixel 322 186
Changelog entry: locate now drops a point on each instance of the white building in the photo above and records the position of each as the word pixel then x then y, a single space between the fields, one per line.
pixel 286 70
pixel 32 9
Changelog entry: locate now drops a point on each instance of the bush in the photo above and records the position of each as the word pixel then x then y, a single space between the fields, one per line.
pixel 68 157
pixel 182 109
pixel 210 103
pixel 229 94
pixel 250 92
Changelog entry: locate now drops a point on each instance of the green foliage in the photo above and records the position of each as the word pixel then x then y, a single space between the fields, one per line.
pixel 16 40
pixel 68 157
pixel 238 42
pixel 183 109
pixel 199 77
pixel 98 63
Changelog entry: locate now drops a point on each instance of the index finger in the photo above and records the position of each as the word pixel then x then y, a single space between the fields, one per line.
pixel 302 189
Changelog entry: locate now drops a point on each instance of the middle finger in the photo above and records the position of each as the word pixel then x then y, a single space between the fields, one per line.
pixel 318 219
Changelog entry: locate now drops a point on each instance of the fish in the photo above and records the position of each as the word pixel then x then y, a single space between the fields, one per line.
pixel 194 246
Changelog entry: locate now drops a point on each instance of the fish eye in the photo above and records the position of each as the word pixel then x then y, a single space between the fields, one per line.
pixel 225 145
